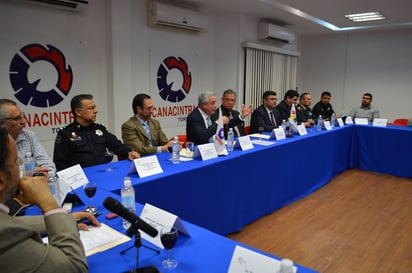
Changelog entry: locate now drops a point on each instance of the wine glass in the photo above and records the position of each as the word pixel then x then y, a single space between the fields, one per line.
pixel 168 237
pixel 260 131
pixel 108 156
pixel 90 188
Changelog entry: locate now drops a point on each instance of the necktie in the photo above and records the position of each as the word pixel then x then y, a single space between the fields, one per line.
pixel 272 119
pixel 147 129
pixel 209 122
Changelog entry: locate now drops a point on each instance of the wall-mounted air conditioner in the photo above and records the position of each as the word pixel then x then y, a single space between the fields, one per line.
pixel 160 14
pixel 72 5
pixel 275 33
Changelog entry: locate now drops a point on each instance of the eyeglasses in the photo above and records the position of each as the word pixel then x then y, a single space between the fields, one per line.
pixel 16 118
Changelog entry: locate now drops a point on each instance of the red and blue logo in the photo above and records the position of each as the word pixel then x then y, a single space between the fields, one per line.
pixel 28 92
pixel 166 90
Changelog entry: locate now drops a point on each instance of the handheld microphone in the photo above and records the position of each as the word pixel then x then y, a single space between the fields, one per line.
pixel 114 206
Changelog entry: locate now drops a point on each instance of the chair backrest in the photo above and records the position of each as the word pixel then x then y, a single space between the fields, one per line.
pixel 246 130
pixel 401 121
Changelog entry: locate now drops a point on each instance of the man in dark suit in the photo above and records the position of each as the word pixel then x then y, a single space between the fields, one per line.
pixel 22 249
pixel 266 116
pixel 236 119
pixel 200 124
pixel 291 97
pixel 141 132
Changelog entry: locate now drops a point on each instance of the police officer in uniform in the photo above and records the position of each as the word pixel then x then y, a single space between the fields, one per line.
pixel 85 142
pixel 303 112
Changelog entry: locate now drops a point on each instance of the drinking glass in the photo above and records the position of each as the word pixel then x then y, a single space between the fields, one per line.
pixel 190 149
pixel 90 188
pixel 168 237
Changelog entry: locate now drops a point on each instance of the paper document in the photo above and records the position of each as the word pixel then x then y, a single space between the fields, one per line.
pixel 98 239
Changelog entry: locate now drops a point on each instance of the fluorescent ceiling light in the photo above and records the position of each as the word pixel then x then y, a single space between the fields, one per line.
pixel 366 16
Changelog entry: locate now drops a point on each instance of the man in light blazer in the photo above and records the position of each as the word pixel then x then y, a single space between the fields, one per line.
pixel 142 133
pixel 22 249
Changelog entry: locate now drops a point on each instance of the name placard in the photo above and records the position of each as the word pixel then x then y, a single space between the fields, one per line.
pixel 278 134
pixel 380 122
pixel 361 121
pixel 206 151
pixel 246 260
pixel 327 124
pixel 146 166
pixel 158 219
pixel 244 143
pixel 348 120
pixel 302 129
pixel 340 122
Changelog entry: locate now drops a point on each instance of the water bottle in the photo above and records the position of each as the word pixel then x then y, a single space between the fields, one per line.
pixel 230 138
pixel 333 120
pixel 29 164
pixel 53 180
pixel 176 151
pixel 284 125
pixel 128 199
pixel 320 123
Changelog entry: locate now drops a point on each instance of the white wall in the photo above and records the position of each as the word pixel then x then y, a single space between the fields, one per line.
pixel 351 64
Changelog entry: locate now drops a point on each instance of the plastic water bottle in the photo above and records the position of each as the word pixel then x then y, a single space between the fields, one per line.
pixel 320 123
pixel 176 151
pixel 284 125
pixel 29 164
pixel 230 138
pixel 53 181
pixel 333 120
pixel 128 199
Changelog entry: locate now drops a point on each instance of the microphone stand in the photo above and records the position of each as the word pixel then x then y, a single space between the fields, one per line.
pixel 133 230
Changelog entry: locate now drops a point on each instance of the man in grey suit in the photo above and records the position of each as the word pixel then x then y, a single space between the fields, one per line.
pixel 22 249
pixel 141 133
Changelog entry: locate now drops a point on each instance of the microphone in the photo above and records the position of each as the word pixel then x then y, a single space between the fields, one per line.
pixel 114 206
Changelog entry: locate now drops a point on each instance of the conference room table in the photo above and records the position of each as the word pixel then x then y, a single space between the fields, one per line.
pixel 204 251
pixel 226 193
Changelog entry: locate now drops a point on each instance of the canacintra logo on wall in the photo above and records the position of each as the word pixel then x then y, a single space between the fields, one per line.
pixel 174 79
pixel 32 92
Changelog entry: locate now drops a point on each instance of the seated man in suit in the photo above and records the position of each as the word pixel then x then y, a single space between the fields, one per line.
pixel 266 116
pixel 22 248
pixel 236 119
pixel 141 133
pixel 291 97
pixel 201 126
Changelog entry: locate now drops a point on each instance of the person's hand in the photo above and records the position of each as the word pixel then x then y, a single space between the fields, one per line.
pixel 246 110
pixel 225 119
pixel 35 190
pixel 42 169
pixel 85 215
pixel 133 155
pixel 165 148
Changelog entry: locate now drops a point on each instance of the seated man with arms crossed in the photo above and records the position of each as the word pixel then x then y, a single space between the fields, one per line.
pixel 22 249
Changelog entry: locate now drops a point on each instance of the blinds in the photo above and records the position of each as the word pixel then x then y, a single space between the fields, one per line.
pixel 267 70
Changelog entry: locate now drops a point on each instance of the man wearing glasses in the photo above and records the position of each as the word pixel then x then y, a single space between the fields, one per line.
pixel 26 142
pixel 235 119
pixel 85 142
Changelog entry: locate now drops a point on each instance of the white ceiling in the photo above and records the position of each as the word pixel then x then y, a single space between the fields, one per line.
pixel 397 12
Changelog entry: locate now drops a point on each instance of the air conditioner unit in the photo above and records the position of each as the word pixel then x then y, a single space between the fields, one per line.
pixel 275 33
pixel 160 14
pixel 72 5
